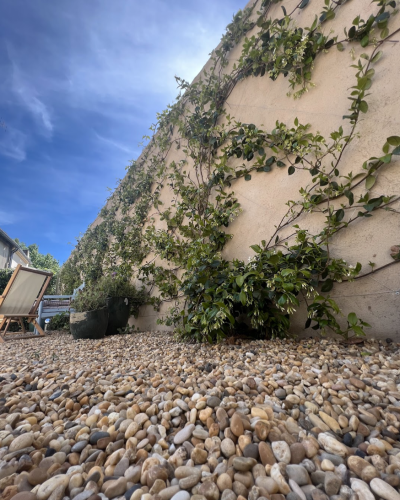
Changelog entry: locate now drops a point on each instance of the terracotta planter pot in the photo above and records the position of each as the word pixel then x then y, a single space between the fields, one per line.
pixel 118 314
pixel 89 325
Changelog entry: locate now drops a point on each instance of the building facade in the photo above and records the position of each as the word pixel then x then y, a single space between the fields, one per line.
pixel 11 254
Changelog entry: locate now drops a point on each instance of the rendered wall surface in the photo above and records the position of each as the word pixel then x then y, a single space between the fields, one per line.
pixel 4 254
pixel 18 259
pixel 259 100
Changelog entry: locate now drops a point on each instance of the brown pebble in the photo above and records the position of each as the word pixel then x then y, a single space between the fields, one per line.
pixel 37 476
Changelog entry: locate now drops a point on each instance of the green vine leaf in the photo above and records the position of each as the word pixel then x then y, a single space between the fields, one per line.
pixel 352 319
pixel 327 285
pixel 339 215
pixel 370 181
pixel 256 248
pixel 394 140
pixel 377 57
pixel 240 281
pixel 363 106
pixel 387 158
pixel 350 196
pixel 304 4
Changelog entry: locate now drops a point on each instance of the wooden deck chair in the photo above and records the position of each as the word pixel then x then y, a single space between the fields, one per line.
pixel 21 299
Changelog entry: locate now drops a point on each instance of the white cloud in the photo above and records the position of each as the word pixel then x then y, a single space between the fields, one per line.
pixel 38 109
pixel 123 58
pixel 28 96
pixel 7 218
pixel 13 143
pixel 114 144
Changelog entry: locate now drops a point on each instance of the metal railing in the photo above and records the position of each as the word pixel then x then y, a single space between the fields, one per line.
pixel 52 305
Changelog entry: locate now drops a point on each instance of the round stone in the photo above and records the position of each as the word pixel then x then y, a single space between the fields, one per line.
pixel 237 425
pixel 209 490
pixel 228 447
pixel 251 451
pixel 213 401
pixel 181 495
pixel 224 482
pixel 281 451
pixel 184 434
pixel 37 476
pixel 96 436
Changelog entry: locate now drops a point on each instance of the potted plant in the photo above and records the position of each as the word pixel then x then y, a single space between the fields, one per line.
pixel 89 314
pixel 123 300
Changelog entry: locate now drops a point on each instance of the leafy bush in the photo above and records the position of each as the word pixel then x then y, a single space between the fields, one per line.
pixel 89 299
pixel 95 294
pixel 69 275
pixel 59 322
pixel 221 295
pixel 115 285
pixel 5 275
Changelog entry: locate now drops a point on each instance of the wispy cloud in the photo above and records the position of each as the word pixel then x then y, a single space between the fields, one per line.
pixel 115 144
pixel 28 96
pixel 7 218
pixel 13 143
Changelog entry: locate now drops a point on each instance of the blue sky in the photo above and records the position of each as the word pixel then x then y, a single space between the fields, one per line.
pixel 80 84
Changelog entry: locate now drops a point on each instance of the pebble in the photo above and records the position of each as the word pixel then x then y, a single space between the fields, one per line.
pixel 228 447
pixel 24 495
pixel 184 434
pixel 384 490
pixel 236 425
pixel 281 451
pixel 37 476
pixel 145 418
pixel 181 495
pixel 361 489
pixel 20 442
pixel 332 445
pixel 297 453
pixel 332 483
pixel 48 487
pixel 298 474
pixel 279 479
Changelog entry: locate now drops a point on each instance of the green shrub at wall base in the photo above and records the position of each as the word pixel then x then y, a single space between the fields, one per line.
pixel 59 322
pixel 89 299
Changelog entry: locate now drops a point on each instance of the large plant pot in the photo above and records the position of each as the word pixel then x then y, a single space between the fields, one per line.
pixel 89 325
pixel 118 314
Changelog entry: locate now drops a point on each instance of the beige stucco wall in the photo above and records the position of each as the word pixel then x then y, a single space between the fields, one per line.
pixel 261 101
pixel 19 258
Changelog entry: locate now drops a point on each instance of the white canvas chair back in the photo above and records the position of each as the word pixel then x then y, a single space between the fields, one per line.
pixel 21 298
pixel 23 293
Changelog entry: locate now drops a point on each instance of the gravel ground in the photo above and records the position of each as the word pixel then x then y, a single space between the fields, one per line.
pixel 141 417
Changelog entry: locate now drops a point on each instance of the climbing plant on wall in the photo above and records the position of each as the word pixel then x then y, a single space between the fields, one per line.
pixel 176 248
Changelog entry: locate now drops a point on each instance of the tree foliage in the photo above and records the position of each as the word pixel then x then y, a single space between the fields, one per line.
pixel 45 262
